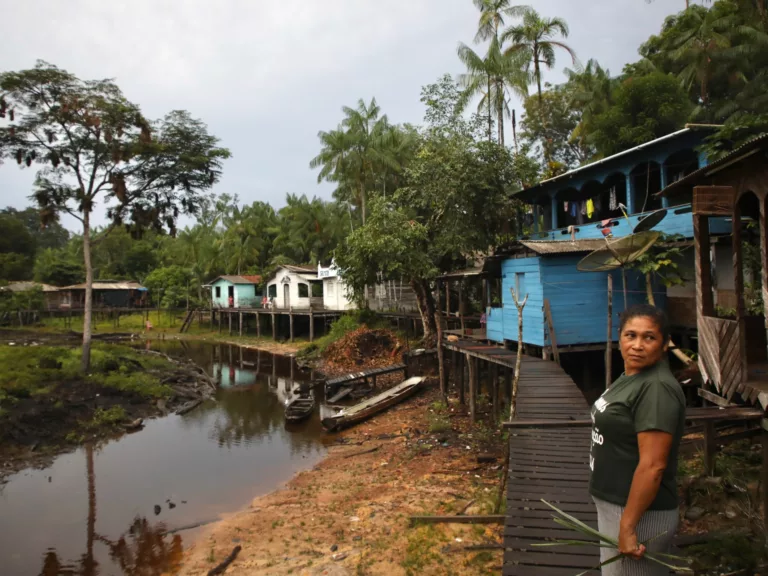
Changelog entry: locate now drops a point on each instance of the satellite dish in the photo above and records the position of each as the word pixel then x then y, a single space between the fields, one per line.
pixel 650 221
pixel 618 254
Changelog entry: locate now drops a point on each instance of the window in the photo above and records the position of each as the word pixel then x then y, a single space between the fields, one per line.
pixel 218 291
pixel 317 289
pixel 520 285
pixel 303 291
pixel 272 291
pixel 256 290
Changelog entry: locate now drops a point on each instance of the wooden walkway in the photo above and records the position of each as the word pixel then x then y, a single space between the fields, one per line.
pixel 549 462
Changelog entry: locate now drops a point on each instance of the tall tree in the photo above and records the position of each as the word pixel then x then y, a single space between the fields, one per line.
pixel 535 38
pixel 92 145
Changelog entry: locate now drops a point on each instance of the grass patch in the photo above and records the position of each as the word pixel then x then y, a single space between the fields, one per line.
pixel 438 423
pixel 35 371
pixel 423 551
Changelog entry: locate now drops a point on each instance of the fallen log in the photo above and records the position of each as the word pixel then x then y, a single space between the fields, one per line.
pixel 374 449
pixel 227 561
pixel 188 407
pixel 458 519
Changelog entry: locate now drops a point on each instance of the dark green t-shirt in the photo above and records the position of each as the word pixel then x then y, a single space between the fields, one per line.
pixel 650 400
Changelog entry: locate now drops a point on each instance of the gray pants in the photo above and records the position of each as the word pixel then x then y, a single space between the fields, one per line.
pixel 653 522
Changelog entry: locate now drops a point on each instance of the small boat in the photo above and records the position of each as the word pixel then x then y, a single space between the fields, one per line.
pixel 335 419
pixel 299 408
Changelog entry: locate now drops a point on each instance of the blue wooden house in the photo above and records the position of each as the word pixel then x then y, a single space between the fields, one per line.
pixel 570 215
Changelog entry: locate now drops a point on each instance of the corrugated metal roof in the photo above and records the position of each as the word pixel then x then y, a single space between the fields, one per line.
pixel 26 286
pixel 127 285
pixel 563 246
pixel 462 273
pixel 300 269
pixel 744 151
pixel 237 279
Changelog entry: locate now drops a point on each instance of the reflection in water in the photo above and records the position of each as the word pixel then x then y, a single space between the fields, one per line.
pixel 177 472
pixel 146 552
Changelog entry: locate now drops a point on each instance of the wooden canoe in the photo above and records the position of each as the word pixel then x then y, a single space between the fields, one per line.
pixel 299 408
pixel 344 417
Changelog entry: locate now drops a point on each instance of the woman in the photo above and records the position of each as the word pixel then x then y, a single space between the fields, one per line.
pixel 637 425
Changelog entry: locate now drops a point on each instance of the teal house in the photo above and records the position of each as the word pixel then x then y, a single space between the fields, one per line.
pixel 236 292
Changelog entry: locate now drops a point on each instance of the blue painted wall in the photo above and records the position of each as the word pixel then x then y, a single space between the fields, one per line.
pixel 246 295
pixel 578 300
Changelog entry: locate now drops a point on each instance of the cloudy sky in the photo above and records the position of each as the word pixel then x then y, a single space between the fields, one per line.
pixel 267 76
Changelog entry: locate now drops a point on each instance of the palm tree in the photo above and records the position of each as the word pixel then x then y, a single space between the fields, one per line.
pixel 707 43
pixel 492 77
pixel 492 13
pixel 591 93
pixel 534 39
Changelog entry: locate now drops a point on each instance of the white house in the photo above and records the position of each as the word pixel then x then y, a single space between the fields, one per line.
pixel 336 295
pixel 295 287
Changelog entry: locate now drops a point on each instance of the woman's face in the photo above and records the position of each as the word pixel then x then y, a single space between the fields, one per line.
pixel 641 344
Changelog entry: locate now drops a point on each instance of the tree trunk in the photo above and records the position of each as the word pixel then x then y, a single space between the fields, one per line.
pixel 500 114
pixel 537 73
pixel 514 130
pixel 362 201
pixel 85 363
pixel 490 117
pixel 519 357
pixel 427 311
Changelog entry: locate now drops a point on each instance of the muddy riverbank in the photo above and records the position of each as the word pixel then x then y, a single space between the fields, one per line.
pixel 351 511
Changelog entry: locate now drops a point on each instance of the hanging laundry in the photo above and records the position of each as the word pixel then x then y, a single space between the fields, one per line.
pixel 590 208
pixel 565 207
pixel 612 203
pixel 598 204
pixel 582 207
pixel 574 208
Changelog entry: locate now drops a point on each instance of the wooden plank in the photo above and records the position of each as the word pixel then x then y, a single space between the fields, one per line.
pixel 714 398
pixel 526 570
pixel 459 519
pixel 545 558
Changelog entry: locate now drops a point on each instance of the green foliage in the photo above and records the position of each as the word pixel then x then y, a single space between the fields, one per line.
pixel 645 108
pixel 169 285
pixel 17 249
pixel 27 371
pixel 59 267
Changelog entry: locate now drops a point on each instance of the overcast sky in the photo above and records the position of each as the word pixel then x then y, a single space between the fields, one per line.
pixel 267 76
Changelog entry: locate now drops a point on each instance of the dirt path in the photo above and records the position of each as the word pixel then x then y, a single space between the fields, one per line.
pixel 350 514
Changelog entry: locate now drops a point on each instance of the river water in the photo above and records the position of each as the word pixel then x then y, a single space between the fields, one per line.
pixel 115 509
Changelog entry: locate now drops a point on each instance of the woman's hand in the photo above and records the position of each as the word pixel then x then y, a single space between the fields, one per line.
pixel 628 543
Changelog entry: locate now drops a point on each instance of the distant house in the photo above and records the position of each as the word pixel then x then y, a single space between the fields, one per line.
pixel 296 287
pixel 109 294
pixel 336 294
pixel 54 297
pixel 236 292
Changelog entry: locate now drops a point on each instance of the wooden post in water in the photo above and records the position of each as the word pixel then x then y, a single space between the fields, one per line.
pixel 274 326
pixel 258 324
pixel 229 320
pixel 219 315
pixel 472 363
pixel 240 314
pixel 290 322
pixel 609 338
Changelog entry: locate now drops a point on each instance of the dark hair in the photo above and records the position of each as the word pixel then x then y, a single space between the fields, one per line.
pixel 646 311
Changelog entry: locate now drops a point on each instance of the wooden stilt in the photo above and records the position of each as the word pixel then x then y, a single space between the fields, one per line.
pixel 311 325
pixel 764 471
pixel 258 325
pixel 274 326
pixel 290 322
pixel 441 358
pixel 495 390
pixel 219 315
pixel 462 365
pixel 507 383
pixel 240 314
pixel 472 364
pixel 710 448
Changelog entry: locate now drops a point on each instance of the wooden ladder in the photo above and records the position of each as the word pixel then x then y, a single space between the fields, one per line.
pixel 187 320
